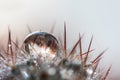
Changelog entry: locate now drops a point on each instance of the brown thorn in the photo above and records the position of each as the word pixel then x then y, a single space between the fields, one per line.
pixel 21 48
pixel 99 56
pixel 16 45
pixel 95 69
pixel 65 38
pixel 98 60
pixel 61 46
pixel 78 56
pixel 80 43
pixel 9 41
pixel 73 49
pixel 29 29
pixel 88 50
pixel 107 73
pixel 9 46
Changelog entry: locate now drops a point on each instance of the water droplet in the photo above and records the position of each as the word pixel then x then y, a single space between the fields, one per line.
pixel 51 71
pixel 9 45
pixel 43 44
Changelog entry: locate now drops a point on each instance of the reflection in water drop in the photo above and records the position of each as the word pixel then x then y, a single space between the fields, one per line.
pixel 41 44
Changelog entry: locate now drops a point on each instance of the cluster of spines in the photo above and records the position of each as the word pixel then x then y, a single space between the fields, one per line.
pixel 83 57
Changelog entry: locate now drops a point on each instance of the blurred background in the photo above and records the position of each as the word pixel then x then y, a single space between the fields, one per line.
pixel 100 18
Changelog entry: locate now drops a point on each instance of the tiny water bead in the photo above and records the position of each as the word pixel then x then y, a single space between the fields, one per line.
pixel 41 44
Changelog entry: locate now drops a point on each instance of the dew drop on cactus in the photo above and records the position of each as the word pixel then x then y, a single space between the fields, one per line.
pixel 41 44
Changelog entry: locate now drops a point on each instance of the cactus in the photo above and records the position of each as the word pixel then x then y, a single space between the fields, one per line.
pixel 43 57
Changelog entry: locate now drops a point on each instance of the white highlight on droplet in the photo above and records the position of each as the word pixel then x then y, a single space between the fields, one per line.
pixel 52 71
